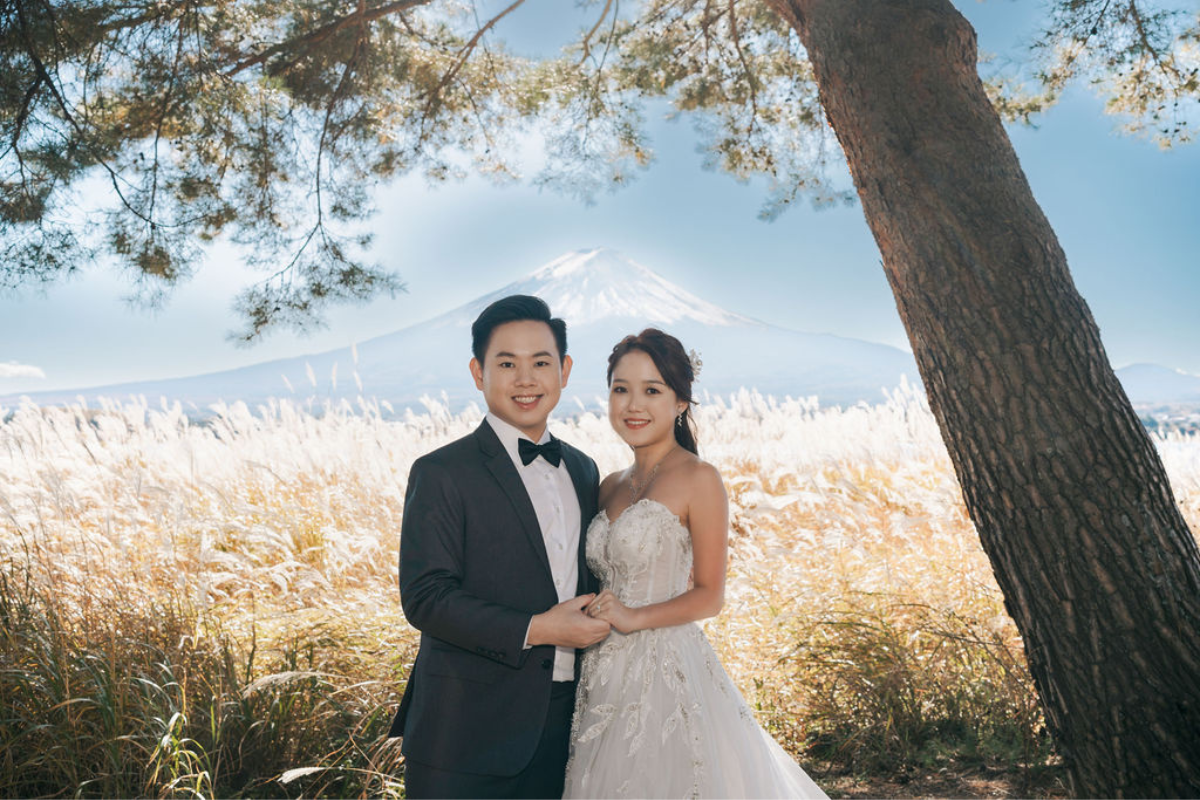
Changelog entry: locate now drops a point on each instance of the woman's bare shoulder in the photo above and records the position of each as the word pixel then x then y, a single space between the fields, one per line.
pixel 609 485
pixel 698 471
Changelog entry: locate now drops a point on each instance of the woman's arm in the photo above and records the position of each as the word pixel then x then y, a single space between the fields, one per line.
pixel 708 522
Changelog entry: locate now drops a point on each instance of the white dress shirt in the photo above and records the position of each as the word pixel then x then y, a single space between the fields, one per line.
pixel 554 501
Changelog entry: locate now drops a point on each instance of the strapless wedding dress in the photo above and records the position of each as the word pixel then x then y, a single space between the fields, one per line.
pixel 656 714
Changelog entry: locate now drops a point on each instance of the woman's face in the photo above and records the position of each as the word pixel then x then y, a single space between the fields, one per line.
pixel 641 407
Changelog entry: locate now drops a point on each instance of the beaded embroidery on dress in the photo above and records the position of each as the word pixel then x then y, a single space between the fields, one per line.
pixel 656 714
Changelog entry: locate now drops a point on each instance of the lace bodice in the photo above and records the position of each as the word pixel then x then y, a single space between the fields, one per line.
pixel 644 556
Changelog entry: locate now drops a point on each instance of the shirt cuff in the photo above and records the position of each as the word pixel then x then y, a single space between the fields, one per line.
pixel 527 645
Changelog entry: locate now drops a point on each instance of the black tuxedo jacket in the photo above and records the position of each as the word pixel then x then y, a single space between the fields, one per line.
pixel 473 570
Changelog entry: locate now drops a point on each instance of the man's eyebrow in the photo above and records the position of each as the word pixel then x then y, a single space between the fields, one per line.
pixel 540 354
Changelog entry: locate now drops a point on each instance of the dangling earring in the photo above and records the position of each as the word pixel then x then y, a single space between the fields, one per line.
pixel 679 420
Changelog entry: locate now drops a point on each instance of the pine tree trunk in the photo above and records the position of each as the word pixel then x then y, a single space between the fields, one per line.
pixel 1069 496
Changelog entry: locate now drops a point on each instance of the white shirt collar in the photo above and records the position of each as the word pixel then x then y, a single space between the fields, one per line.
pixel 508 436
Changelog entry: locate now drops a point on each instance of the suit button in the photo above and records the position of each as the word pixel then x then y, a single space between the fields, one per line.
pixel 547 663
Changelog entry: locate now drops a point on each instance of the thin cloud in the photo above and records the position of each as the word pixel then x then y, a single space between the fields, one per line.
pixel 14 370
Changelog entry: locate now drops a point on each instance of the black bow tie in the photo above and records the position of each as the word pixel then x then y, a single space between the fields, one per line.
pixel 551 451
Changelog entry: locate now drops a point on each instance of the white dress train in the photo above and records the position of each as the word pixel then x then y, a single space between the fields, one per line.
pixel 656 714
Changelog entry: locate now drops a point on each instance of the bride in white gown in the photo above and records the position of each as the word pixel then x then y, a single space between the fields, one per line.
pixel 656 715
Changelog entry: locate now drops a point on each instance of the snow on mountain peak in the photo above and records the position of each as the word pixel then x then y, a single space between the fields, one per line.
pixel 587 286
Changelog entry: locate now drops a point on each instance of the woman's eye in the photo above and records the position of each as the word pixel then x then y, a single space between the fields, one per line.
pixel 652 390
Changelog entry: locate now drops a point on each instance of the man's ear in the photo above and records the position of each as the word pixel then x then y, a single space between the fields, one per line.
pixel 477 373
pixel 566 370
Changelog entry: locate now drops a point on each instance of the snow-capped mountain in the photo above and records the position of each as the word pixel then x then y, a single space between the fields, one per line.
pixel 589 286
pixel 603 296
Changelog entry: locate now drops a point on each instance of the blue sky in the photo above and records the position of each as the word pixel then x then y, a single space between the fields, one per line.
pixel 1127 214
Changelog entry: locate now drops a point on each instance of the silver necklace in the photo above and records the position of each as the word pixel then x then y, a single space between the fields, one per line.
pixel 636 488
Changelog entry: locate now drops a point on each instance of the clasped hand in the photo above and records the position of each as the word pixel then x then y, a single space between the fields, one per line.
pixel 566 625
pixel 607 607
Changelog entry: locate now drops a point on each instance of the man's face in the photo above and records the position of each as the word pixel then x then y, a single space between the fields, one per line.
pixel 521 376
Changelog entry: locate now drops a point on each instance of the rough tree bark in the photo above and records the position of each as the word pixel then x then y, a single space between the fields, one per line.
pixel 1069 496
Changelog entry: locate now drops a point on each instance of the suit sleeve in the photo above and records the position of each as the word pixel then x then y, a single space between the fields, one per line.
pixel 432 557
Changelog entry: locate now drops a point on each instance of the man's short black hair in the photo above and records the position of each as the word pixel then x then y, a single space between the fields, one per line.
pixel 514 308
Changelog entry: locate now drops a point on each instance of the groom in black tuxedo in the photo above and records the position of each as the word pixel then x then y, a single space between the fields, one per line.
pixel 492 573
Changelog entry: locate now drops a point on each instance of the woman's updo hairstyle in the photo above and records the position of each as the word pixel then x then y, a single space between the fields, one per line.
pixel 674 365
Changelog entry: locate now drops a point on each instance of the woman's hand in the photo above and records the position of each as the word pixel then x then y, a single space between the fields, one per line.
pixel 607 607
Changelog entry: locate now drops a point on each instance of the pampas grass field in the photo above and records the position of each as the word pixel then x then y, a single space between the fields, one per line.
pixel 210 609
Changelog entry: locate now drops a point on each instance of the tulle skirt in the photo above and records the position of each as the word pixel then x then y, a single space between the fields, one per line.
pixel 656 715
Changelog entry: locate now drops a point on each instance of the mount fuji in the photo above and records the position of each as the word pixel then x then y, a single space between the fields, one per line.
pixel 603 296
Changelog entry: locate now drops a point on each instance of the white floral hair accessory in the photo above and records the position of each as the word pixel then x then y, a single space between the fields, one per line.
pixel 696 362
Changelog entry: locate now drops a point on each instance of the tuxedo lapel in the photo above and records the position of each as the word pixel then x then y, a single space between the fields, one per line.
pixel 583 493
pixel 501 466
pixel 579 481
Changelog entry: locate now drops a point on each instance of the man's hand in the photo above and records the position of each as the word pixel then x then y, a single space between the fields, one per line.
pixel 566 625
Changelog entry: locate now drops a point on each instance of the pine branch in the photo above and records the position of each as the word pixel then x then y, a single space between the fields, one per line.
pixel 307 42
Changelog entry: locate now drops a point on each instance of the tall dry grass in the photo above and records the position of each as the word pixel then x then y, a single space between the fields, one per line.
pixel 210 609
